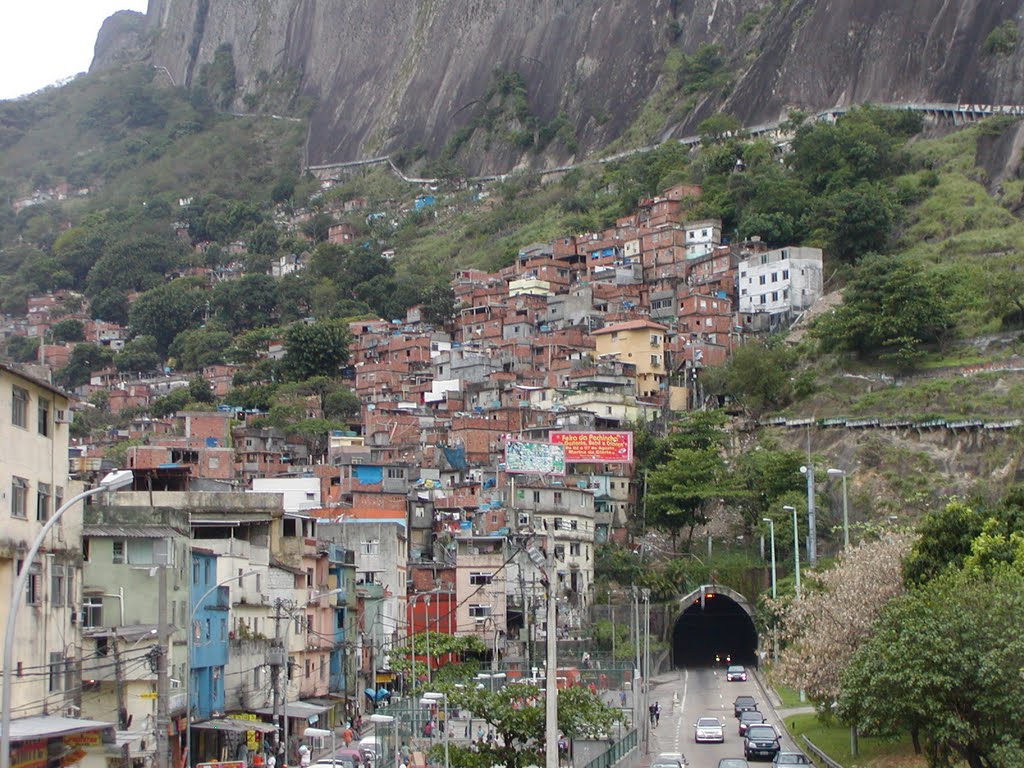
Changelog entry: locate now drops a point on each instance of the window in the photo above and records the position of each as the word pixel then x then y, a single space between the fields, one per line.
pixel 558 523
pixel 775 277
pixel 309 577
pixel 655 360
pixel 371 547
pixel 558 497
pixel 19 497
pixel 56 669
pixel 117 556
pixel 536 497
pixel 256 678
pixel 92 612
pixel 309 668
pixel 574 549
pixel 480 579
pixel 223 630
pixel 309 623
pixel 785 274
pixel 761 279
pixel 86 546
pixel 57 588
pixel 775 295
pixel 560 552
pixel 34 585
pixel 58 497
pixel 479 611
pixel 323 668
pixel 207 635
pixel 395 473
pixel 19 407
pixel 43 416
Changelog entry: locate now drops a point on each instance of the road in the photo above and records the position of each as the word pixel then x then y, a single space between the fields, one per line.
pixel 703 692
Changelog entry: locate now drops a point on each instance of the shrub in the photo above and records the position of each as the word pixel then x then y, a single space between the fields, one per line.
pixel 1002 41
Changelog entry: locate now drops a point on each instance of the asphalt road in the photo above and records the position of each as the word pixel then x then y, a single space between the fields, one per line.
pixel 703 692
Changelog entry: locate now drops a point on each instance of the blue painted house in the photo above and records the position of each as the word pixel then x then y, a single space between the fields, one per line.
pixel 208 638
pixel 341 565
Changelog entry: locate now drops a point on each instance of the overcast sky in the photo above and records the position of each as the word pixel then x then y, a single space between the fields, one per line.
pixel 43 41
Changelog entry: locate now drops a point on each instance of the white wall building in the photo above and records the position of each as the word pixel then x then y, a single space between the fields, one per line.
pixel 782 280
pixel 33 485
pixel 702 237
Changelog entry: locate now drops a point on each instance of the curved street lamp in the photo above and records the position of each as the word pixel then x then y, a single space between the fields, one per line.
pixel 113 481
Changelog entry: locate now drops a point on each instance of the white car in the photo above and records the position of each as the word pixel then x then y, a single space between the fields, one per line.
pixel 709 729
pixel 671 758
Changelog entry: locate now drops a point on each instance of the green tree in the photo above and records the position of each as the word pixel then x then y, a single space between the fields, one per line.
pixel 765 474
pixel 944 541
pixel 757 376
pixel 516 715
pixel 133 263
pixel 246 303
pixel 84 359
pixel 439 306
pixel 110 305
pixel 313 349
pixel 138 355
pixel 67 330
pixel 166 311
pixel 78 249
pixel 890 307
pixel 198 347
pixel 681 491
pixel 22 349
pixel 944 662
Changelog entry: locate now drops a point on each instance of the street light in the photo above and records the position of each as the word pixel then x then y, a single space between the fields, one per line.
pixel 796 548
pixel 812 525
pixel 771 533
pixel 430 699
pixel 842 473
pixel 188 659
pixel 113 481
pixel 381 719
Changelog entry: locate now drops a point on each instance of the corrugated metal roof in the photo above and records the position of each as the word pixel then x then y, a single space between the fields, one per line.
pixel 52 725
pixel 131 531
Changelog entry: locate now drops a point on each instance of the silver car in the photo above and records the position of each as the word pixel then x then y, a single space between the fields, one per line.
pixel 708 729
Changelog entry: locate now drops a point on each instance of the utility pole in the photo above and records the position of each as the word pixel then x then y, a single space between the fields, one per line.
pixel 646 669
pixel 635 626
pixel 551 683
pixel 163 752
pixel 275 659
pixel 122 710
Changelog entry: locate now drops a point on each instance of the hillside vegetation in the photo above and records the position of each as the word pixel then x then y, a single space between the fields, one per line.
pixel 923 244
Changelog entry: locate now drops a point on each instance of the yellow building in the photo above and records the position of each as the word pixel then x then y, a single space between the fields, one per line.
pixel 33 485
pixel 640 343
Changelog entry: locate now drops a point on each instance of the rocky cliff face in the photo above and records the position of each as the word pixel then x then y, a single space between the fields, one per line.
pixel 386 75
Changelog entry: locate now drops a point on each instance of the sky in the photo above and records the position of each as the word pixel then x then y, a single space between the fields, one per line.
pixel 43 41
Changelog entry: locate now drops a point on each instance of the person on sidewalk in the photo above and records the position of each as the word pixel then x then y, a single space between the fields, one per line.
pixel 347 735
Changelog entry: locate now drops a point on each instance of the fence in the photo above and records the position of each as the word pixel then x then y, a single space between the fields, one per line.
pixel 616 752
pixel 825 759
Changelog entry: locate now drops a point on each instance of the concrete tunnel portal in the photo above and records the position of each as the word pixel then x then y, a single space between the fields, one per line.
pixel 714 620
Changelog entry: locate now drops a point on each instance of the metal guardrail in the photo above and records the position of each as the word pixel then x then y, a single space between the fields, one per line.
pixel 814 750
pixel 616 752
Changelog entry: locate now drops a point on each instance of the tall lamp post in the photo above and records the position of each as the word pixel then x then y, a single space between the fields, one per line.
pixel 430 699
pixel 812 525
pixel 188 658
pixel 842 473
pixel 796 547
pixel 771 534
pixel 111 482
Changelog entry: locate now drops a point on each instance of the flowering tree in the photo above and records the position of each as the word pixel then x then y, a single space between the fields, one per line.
pixel 823 630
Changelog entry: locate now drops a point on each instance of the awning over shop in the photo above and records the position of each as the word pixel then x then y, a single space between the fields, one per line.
pixel 231 725
pixel 299 709
pixel 46 726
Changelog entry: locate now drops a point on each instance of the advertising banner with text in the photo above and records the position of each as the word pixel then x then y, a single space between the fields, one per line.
pixel 597 447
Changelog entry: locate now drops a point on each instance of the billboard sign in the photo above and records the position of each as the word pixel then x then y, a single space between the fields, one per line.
pixel 596 447
pixel 528 458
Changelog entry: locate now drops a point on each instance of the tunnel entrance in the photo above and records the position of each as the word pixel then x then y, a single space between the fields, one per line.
pixel 720 626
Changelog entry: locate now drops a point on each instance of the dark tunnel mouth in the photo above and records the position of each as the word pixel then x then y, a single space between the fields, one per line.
pixel 721 627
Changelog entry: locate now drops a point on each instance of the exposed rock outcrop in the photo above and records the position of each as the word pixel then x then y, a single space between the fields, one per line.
pixel 386 75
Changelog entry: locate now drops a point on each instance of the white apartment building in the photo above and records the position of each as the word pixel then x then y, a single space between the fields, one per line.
pixel 33 485
pixel 782 280
pixel 702 237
